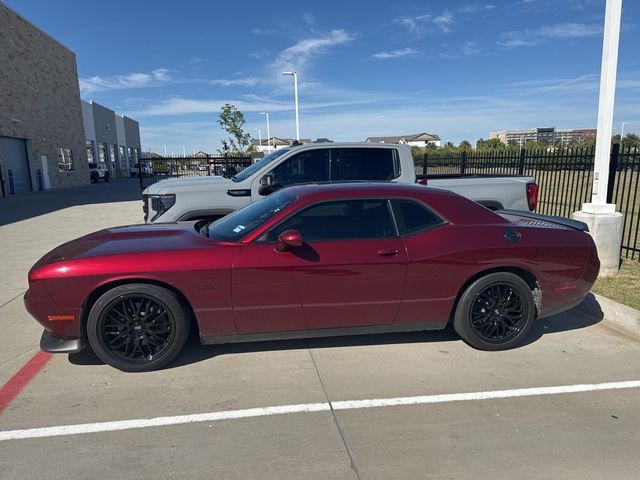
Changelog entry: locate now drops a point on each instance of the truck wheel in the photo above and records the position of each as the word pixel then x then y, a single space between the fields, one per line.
pixel 106 177
pixel 495 312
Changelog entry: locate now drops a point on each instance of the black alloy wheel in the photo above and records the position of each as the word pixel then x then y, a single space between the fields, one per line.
pixel 495 312
pixel 137 327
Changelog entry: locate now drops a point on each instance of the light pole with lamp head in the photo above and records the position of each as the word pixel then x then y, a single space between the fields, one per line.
pixel 295 95
pixel 268 131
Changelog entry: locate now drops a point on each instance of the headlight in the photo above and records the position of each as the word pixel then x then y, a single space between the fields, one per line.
pixel 161 203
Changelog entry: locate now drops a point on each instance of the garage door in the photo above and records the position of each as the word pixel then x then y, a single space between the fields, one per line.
pixel 16 164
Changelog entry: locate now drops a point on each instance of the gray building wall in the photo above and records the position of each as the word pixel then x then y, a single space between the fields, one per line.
pixel 132 132
pixel 40 99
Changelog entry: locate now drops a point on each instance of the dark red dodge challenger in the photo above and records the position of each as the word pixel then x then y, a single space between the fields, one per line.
pixel 313 260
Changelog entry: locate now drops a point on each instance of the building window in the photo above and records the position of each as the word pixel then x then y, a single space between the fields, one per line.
pixel 112 156
pixel 123 158
pixel 65 160
pixel 90 157
pixel 101 152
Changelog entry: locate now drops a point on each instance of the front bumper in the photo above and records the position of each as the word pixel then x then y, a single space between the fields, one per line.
pixel 54 344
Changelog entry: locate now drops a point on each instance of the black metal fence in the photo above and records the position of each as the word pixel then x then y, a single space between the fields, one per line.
pixel 564 176
pixel 152 170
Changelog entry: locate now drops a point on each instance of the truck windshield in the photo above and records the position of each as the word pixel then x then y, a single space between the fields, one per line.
pixel 244 221
pixel 250 170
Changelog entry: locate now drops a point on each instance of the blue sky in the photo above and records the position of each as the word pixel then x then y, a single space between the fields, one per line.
pixel 459 69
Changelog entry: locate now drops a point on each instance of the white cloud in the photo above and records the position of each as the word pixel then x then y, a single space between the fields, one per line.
pixel 298 55
pixel 121 82
pixel 470 48
pixel 395 53
pixel 197 60
pixel 418 25
pixel 538 36
pixel 238 82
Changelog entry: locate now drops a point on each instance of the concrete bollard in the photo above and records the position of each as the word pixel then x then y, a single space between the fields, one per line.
pixel 606 230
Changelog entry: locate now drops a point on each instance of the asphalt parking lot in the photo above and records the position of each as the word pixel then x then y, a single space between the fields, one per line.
pixel 419 405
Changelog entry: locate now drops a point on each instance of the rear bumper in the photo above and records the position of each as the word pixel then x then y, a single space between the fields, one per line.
pixel 54 344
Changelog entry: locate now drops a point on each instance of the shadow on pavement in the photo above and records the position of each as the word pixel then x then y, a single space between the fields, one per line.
pixel 22 207
pixel 586 314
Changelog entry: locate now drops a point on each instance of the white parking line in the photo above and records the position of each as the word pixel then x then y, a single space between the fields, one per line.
pixel 307 407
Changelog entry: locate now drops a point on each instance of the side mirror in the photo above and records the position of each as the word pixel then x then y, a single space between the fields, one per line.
pixel 266 185
pixel 289 239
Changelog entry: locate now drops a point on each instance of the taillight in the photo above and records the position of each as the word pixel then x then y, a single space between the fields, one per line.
pixel 532 195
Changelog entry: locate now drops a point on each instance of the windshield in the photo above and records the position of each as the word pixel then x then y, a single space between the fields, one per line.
pixel 244 221
pixel 247 172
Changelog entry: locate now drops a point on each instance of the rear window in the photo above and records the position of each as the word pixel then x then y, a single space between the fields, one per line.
pixel 412 216
pixel 364 164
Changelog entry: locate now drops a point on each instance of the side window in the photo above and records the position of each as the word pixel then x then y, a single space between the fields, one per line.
pixel 308 166
pixel 412 216
pixel 364 164
pixel 341 220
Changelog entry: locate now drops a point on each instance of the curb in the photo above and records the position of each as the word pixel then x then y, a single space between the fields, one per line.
pixel 616 315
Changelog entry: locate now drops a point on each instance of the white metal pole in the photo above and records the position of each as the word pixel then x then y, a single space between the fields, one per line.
pixel 260 139
pixel 184 151
pixel 165 150
pixel 295 100
pixel 266 114
pixel 295 93
pixel 268 134
pixel 605 107
pixel 622 131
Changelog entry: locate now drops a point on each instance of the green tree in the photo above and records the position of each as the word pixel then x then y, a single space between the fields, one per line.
pixel 631 140
pixel 231 121
pixel 465 145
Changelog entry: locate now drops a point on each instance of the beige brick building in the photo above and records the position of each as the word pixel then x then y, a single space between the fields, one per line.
pixel 42 142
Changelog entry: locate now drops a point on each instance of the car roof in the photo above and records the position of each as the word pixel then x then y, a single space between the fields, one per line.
pixel 450 205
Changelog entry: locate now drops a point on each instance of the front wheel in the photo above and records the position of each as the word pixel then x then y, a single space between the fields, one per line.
pixel 495 312
pixel 137 327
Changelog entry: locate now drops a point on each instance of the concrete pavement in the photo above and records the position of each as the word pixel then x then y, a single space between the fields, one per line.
pixel 579 435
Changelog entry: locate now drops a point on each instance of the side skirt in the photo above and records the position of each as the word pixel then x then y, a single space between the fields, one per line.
pixel 323 332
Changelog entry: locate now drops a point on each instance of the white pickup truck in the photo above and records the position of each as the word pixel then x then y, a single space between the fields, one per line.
pixel 195 198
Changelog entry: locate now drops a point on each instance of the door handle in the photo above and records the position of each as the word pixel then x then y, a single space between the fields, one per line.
pixel 388 252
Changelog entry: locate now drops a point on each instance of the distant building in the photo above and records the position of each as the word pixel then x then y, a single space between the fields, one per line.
pixel 110 138
pixel 414 140
pixel 276 143
pixel 548 134
pixel 41 136
pixel 47 134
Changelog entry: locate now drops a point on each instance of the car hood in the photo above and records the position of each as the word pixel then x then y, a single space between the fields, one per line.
pixel 173 185
pixel 134 239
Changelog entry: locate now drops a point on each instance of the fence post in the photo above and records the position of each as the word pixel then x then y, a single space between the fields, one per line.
pixel 140 173
pixel 613 168
pixel 463 162
pixel 424 163
pixel 523 153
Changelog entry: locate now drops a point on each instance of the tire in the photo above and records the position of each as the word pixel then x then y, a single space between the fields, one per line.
pixel 120 336
pixel 106 178
pixel 495 312
pixel 132 175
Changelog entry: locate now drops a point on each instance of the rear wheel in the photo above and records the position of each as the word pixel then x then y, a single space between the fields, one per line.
pixel 137 327
pixel 495 312
pixel 106 177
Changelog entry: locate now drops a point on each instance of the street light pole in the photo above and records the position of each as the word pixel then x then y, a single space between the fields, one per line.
pixel 295 96
pixel 622 131
pixel 605 224
pixel 605 109
pixel 268 131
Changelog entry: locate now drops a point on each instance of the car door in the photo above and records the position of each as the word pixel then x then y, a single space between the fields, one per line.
pixel 351 268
